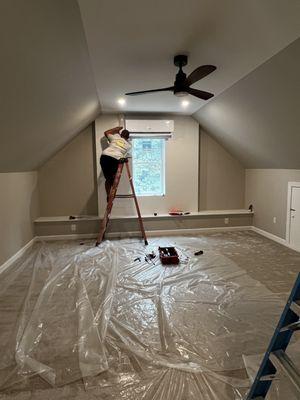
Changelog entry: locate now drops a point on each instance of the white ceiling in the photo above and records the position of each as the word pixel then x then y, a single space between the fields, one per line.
pixel 51 79
pixel 132 44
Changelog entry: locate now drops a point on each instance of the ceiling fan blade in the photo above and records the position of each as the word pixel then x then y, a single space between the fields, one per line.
pixel 200 73
pixel 171 88
pixel 200 94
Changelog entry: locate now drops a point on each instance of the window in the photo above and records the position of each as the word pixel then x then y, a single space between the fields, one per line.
pixel 148 164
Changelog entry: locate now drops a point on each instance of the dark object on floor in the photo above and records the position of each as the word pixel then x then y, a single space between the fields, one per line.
pixel 198 253
pixel 150 257
pixel 137 259
pixel 250 208
pixel 168 255
pixel 72 217
pixel 81 243
pixel 155 214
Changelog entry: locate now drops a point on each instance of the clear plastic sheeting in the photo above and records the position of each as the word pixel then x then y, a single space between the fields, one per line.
pixel 93 323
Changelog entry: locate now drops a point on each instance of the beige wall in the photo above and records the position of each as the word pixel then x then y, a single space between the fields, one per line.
pixel 18 208
pixel 68 185
pixel 267 189
pixel 67 181
pixel 222 177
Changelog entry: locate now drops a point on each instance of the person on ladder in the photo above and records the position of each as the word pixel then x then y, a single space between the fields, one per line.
pixel 117 149
pixel 113 160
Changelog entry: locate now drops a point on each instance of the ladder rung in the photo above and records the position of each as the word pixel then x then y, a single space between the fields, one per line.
pixel 124 196
pixel 295 306
pixel 113 195
pixel 295 326
pixel 282 361
pixel 269 377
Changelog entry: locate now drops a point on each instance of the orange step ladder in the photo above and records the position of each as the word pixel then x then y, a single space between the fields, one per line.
pixel 113 195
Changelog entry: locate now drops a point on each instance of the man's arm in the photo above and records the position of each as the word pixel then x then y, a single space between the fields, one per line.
pixel 113 131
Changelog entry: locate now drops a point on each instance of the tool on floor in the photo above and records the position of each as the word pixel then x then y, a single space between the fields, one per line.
pixel 168 255
pixel 113 195
pixel 150 257
pixel 275 357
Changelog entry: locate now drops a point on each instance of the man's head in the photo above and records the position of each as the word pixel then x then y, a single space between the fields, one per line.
pixel 125 134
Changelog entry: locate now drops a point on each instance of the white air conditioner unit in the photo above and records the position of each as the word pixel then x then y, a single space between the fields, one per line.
pixel 156 128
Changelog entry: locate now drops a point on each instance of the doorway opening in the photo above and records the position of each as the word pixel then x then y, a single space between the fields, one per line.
pixel 293 215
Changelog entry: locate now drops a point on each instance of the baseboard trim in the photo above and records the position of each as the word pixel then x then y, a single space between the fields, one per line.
pixel 270 236
pixel 191 231
pixel 275 238
pixel 66 237
pixel 18 254
pixel 116 235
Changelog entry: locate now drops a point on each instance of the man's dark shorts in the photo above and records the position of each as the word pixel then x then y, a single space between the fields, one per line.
pixel 109 167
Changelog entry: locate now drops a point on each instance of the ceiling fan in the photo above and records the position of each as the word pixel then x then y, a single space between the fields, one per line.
pixel 182 84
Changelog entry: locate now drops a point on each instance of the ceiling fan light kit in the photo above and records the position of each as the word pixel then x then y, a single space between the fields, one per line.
pixel 181 94
pixel 182 82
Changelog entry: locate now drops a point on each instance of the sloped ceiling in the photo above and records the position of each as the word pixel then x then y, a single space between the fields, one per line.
pixel 132 44
pixel 258 118
pixel 46 83
pixel 57 61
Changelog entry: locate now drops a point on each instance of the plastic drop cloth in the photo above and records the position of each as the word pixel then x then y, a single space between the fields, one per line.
pixel 131 329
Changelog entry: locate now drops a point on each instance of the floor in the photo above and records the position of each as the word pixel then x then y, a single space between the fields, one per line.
pixel 79 322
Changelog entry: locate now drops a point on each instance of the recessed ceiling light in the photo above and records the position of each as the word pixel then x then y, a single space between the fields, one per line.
pixel 121 102
pixel 185 103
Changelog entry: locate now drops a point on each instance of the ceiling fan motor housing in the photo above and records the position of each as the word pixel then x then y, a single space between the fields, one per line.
pixel 180 60
pixel 180 88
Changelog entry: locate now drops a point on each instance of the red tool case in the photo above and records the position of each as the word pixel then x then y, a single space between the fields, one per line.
pixel 168 255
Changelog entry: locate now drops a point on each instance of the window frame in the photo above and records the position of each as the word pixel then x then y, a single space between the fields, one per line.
pixel 163 163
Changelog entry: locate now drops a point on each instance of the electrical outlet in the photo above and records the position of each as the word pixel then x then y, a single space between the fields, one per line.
pixel 73 228
pixel 274 220
pixel 226 221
